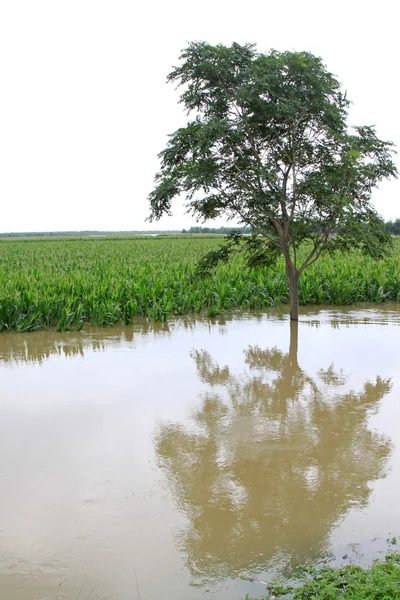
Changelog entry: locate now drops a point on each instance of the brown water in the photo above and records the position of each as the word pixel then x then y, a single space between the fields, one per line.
pixel 185 459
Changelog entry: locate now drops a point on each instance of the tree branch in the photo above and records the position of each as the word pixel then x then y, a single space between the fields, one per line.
pixel 316 251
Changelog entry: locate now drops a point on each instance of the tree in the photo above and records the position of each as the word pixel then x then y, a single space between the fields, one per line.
pixel 269 147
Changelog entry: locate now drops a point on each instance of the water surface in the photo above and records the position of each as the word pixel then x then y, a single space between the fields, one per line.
pixel 196 459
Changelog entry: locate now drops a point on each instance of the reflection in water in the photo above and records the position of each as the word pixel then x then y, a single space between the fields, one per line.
pixel 36 347
pixel 275 459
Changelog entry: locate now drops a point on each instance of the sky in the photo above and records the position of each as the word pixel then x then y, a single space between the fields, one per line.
pixel 85 107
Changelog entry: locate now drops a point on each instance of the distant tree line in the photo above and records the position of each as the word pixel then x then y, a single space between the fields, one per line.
pixel 217 230
pixel 393 227
pixel 85 233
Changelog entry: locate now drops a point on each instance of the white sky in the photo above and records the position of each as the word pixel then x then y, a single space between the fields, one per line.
pixel 84 107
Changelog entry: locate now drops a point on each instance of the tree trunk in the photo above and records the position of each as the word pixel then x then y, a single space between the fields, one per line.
pixel 293 280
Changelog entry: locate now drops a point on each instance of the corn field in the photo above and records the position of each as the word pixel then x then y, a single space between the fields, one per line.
pixel 65 283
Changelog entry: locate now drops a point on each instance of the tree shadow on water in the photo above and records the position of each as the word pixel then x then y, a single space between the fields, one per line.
pixel 275 459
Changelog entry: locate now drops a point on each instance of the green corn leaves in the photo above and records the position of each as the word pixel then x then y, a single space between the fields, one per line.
pixel 68 283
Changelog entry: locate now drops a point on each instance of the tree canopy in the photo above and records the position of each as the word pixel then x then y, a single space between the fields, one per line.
pixel 268 146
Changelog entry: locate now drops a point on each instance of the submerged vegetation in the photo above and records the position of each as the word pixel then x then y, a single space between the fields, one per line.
pixel 65 283
pixel 380 581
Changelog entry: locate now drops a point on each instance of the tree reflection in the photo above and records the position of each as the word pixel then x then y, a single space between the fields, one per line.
pixel 275 459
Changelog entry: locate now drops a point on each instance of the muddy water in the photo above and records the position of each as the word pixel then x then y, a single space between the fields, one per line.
pixel 196 459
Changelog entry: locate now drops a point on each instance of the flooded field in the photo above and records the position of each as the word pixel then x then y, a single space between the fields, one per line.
pixel 196 459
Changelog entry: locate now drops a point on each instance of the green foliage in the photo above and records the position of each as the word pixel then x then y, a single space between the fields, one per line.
pixel 268 146
pixel 67 283
pixel 380 582
pixel 257 252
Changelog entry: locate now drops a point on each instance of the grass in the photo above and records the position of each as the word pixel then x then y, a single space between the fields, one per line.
pixel 65 283
pixel 379 582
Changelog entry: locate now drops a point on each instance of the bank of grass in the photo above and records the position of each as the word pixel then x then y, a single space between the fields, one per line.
pixel 381 581
pixel 65 283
